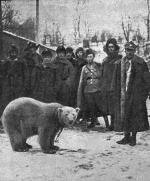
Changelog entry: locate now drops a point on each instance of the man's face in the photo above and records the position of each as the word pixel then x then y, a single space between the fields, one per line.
pixel 69 55
pixel 129 53
pixel 111 48
pixel 80 54
pixel 61 54
pixel 90 58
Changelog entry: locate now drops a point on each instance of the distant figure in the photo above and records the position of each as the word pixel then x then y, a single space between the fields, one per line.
pixel 112 50
pixel 131 92
pixel 64 76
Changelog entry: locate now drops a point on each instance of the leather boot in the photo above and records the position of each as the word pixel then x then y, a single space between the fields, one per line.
pixel 133 139
pixel 93 123
pixel 125 140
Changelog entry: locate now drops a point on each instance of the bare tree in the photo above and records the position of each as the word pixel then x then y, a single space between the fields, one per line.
pixel 9 17
pixel 79 6
pixel 126 27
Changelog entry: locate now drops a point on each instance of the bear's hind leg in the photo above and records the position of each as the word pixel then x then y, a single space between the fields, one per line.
pixel 44 140
pixel 17 142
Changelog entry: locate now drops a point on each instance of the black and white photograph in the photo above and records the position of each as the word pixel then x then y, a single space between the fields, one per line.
pixel 74 90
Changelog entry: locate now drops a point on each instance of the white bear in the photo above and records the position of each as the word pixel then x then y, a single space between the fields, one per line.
pixel 25 117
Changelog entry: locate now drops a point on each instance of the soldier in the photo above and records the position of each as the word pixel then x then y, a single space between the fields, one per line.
pixel 64 76
pixel 44 79
pixel 112 50
pixel 130 87
pixel 70 56
pixel 31 59
pixel 13 86
pixel 89 98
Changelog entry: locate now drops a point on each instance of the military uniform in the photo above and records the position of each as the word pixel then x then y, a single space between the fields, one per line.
pixel 89 90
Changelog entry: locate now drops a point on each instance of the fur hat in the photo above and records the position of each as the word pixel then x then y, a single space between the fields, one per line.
pixel 47 52
pixel 112 41
pixel 69 49
pixel 60 49
pixel 78 50
pixel 90 51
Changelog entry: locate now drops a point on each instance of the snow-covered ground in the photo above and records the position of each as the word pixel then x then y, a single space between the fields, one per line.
pixel 83 156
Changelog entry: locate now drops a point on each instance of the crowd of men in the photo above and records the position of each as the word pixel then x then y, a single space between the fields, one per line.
pixel 74 79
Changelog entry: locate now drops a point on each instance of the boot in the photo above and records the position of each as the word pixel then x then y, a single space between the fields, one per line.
pixel 93 123
pixel 84 124
pixel 133 139
pixel 106 122
pixel 125 140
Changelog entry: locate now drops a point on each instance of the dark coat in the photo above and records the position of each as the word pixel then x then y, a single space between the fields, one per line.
pixel 43 83
pixel 13 85
pixel 64 80
pixel 4 86
pixel 130 105
pixel 16 78
pixel 30 62
pixel 108 69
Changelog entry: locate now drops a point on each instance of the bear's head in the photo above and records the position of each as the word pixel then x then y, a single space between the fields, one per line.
pixel 68 115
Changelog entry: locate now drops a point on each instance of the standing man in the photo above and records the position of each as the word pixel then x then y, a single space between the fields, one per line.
pixel 31 59
pixel 64 76
pixel 130 87
pixel 89 97
pixel 112 50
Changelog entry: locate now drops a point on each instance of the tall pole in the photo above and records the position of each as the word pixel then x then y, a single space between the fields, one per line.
pixel 148 21
pixel 1 32
pixel 37 22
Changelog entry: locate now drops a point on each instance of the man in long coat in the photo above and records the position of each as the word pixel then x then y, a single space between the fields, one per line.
pixel 64 76
pixel 112 50
pixel 31 60
pixel 130 91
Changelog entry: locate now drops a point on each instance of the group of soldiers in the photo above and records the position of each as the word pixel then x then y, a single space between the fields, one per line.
pixel 75 79
pixel 41 76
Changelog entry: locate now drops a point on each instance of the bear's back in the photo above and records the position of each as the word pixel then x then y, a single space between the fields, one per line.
pixel 25 108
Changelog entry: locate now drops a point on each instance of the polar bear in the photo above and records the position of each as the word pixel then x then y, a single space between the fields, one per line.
pixel 25 117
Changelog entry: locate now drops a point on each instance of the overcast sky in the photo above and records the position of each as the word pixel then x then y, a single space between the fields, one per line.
pixel 101 14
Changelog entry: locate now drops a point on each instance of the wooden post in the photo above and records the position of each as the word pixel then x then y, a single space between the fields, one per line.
pixel 1 32
pixel 37 22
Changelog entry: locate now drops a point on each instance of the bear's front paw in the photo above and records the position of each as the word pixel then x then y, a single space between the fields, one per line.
pixel 52 151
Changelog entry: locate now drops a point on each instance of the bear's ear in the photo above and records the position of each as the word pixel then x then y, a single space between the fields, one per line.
pixel 77 109
pixel 60 110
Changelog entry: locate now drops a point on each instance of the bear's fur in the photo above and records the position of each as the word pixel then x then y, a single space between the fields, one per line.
pixel 25 117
